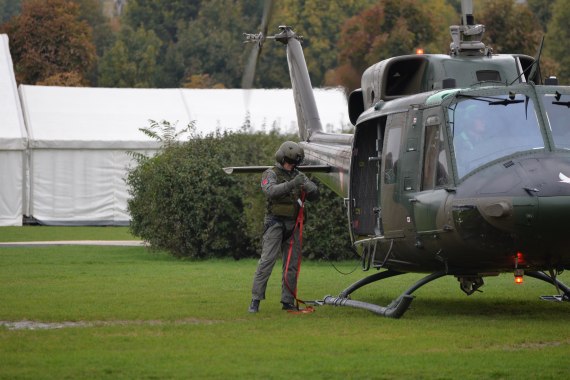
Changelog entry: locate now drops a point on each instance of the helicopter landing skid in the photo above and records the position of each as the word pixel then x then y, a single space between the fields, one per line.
pixel 557 298
pixel 563 288
pixel 395 309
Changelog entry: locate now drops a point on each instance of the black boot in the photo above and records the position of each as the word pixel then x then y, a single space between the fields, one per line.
pixel 254 306
pixel 289 306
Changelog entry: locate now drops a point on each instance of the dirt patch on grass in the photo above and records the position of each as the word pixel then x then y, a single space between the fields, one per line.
pixel 36 325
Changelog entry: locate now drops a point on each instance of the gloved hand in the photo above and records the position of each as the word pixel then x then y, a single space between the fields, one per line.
pixel 299 180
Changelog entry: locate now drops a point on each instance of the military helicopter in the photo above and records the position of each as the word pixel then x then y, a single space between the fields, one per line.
pixel 459 165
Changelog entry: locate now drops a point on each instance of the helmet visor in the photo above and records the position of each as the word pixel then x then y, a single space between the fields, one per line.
pixel 297 161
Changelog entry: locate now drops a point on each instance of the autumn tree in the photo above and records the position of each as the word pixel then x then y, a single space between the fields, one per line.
pixel 48 39
pixel 208 48
pixel 319 22
pixel 542 9
pixel 8 9
pixel 163 17
pixel 390 28
pixel 132 60
pixel 555 42
pixel 511 27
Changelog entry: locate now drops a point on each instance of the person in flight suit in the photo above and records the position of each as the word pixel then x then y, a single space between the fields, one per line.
pixel 283 185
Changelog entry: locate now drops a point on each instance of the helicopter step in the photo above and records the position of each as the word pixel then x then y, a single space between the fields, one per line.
pixel 368 248
pixel 560 286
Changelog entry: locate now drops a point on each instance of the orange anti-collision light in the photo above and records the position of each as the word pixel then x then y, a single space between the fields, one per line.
pixel 419 51
pixel 519 273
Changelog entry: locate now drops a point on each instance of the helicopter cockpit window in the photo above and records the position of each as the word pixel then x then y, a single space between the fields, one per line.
pixel 558 113
pixel 486 128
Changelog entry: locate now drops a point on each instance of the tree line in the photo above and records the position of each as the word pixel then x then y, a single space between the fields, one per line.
pixel 198 44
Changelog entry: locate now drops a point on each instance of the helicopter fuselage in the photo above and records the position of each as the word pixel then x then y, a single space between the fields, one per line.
pixel 422 199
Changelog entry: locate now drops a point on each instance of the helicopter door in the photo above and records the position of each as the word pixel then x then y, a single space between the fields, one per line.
pixel 365 172
pixel 393 214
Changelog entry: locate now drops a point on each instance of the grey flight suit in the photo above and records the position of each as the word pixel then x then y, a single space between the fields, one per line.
pixel 280 219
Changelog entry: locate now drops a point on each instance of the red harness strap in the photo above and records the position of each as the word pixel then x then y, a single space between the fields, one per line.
pixel 298 225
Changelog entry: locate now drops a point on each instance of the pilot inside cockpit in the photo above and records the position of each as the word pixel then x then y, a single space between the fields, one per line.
pixel 478 137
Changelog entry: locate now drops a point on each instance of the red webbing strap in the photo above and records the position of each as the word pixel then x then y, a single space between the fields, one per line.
pixel 298 225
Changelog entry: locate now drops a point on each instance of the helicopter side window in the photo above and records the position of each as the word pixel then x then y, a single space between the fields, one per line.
pixel 557 107
pixel 394 136
pixel 485 129
pixel 435 162
pixel 488 76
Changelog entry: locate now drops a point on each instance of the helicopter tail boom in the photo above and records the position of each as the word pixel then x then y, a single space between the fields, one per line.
pixel 305 104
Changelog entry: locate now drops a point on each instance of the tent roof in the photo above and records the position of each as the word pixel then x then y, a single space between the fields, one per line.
pixel 110 118
pixel 12 129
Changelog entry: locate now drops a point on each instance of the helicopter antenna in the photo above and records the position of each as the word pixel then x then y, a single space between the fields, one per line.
pixel 466 38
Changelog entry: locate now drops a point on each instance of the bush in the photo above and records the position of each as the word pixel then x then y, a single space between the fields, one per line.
pixel 182 201
pixel 326 235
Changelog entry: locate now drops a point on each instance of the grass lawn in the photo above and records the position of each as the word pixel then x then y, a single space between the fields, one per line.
pixel 47 233
pixel 123 312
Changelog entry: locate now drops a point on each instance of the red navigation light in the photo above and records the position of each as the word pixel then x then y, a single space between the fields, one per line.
pixel 419 51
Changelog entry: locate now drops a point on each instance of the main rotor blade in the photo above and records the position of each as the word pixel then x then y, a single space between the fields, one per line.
pixel 249 72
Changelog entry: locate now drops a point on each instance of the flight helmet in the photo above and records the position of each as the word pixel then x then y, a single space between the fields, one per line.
pixel 290 152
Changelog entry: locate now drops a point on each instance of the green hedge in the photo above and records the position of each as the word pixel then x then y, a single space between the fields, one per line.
pixel 181 200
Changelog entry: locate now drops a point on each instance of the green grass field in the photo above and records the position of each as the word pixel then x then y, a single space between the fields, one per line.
pixel 46 233
pixel 127 313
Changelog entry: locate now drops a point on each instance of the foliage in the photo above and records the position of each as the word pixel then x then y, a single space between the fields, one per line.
pixel 182 202
pixel 165 132
pixel 201 81
pixel 8 9
pixel 555 42
pixel 326 228
pixel 392 27
pixel 171 197
pixel 48 38
pixel 70 79
pixel 163 17
pixel 181 44
pixel 132 60
pixel 218 52
pixel 193 44
pixel 320 24
pixel 542 9
pixel 512 27
pixel 103 34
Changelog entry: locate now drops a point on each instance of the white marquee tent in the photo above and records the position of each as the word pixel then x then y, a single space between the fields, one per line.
pixel 67 165
pixel 13 141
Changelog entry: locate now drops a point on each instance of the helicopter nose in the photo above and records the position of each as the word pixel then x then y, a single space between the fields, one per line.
pixel 554 216
pixel 518 206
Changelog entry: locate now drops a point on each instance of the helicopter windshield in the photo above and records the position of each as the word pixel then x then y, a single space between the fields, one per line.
pixel 485 129
pixel 557 112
